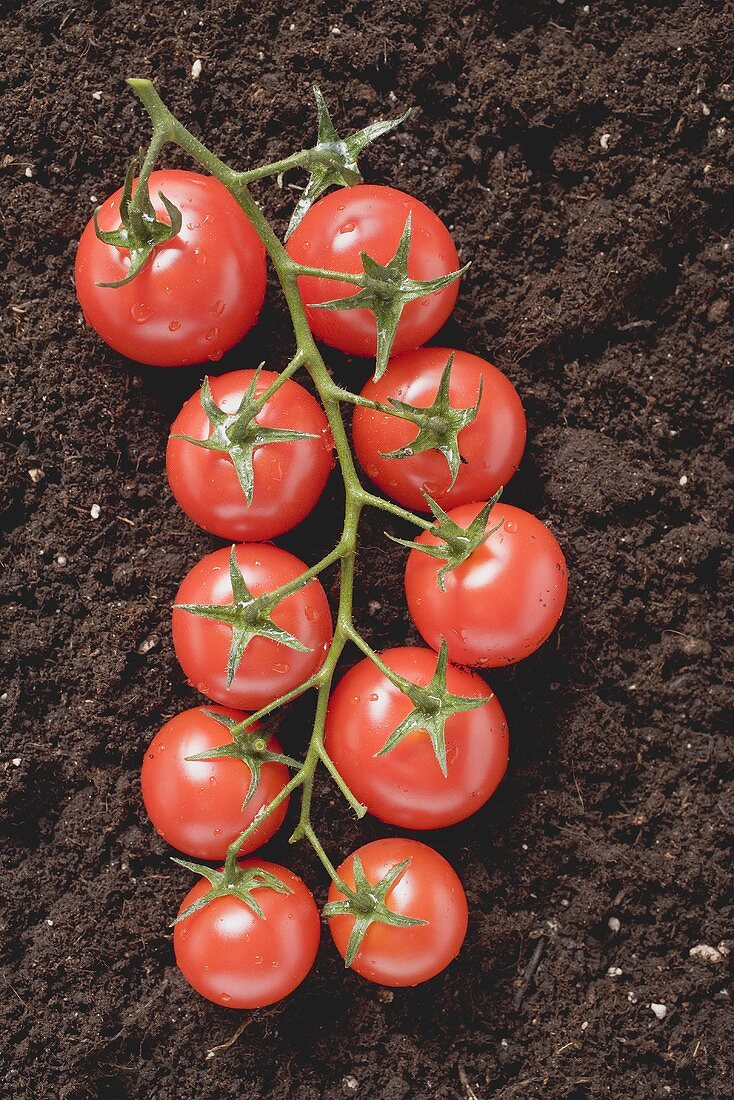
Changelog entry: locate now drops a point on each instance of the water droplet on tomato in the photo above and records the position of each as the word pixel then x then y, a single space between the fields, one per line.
pixel 193 225
pixel 356 698
pixel 215 356
pixel 510 526
pixel 141 313
pixel 167 290
pixel 217 308
pixel 174 326
pixel 274 962
pixel 212 780
pixel 212 333
pixel 312 614
pixel 373 696
pixel 225 998
pixel 348 227
pixel 258 960
pixel 217 832
pixel 282 668
pixel 200 256
pixel 276 470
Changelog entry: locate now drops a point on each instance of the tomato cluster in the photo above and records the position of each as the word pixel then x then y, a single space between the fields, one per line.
pixel 421 742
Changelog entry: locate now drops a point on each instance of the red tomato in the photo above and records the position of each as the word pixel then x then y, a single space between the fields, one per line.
pixel 428 889
pixel 289 477
pixel 197 805
pixel 235 958
pixel 405 787
pixel 492 444
pixel 267 668
pixel 371 219
pixel 198 294
pixel 499 605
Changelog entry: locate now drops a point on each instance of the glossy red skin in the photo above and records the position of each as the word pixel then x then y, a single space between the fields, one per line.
pixel 406 787
pixel 503 602
pixel 428 889
pixel 377 215
pixel 289 477
pixel 199 293
pixel 492 444
pixel 197 805
pixel 235 958
pixel 267 669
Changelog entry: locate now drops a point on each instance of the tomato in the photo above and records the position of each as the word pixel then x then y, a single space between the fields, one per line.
pixel 429 890
pixel 267 668
pixel 236 958
pixel 500 604
pixel 370 218
pixel 405 787
pixel 491 445
pixel 198 294
pixel 198 805
pixel 288 477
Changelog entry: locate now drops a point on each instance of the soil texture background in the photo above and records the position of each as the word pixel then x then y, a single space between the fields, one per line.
pixel 579 154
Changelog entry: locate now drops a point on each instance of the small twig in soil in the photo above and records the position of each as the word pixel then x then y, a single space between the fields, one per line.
pixel 529 974
pixel 471 1095
pixel 213 1051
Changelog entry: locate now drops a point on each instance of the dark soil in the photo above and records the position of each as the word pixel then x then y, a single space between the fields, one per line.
pixel 578 154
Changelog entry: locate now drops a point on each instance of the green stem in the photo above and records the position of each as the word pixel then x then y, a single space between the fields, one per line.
pixel 295 365
pixel 168 129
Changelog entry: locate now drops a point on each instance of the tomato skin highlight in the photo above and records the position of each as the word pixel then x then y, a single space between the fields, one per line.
pixel 492 444
pixel 233 957
pixel 198 294
pixel 371 218
pixel 197 805
pixel 289 477
pixel 428 889
pixel 405 787
pixel 503 602
pixel 267 669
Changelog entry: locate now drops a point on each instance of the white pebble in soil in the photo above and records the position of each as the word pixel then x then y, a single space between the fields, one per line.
pixel 95 511
pixel 660 1010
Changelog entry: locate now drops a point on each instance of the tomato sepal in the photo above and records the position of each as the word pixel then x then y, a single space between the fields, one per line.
pixel 139 231
pixel 386 291
pixel 459 542
pixel 231 881
pixel 438 424
pixel 248 616
pixel 250 747
pixel 239 434
pixel 367 904
pixel 333 161
pixel 432 706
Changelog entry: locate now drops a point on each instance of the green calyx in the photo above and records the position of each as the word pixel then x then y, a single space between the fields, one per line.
pixel 459 543
pixel 140 231
pixel 248 616
pixel 386 290
pixel 332 162
pixel 432 706
pixel 247 745
pixel 367 904
pixel 238 434
pixel 232 881
pixel 438 425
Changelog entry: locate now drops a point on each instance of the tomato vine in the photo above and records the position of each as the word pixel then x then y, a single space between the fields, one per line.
pixel 386 290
